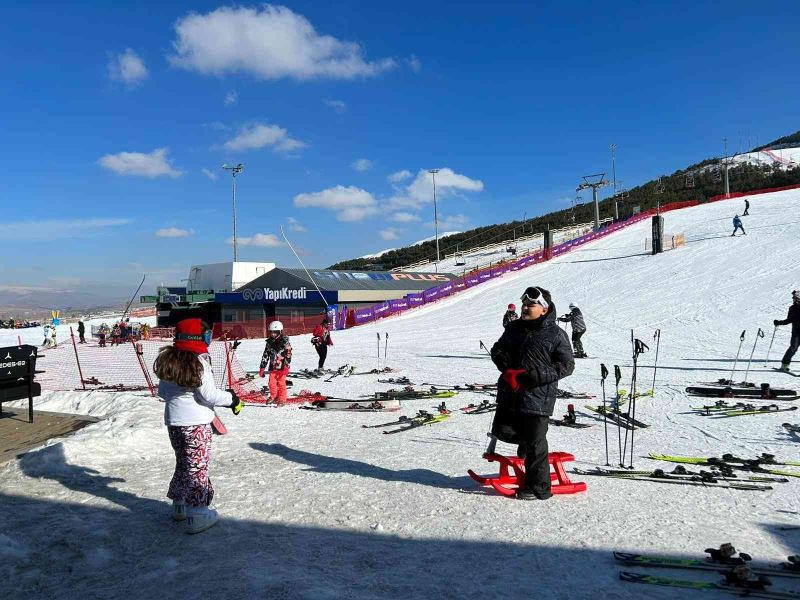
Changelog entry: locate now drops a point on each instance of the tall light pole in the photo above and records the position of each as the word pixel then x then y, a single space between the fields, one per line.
pixel 614 178
pixel 235 170
pixel 433 173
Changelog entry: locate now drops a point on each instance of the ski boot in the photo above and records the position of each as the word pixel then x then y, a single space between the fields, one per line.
pixel 726 555
pixel 570 417
pixel 741 577
pixel 784 368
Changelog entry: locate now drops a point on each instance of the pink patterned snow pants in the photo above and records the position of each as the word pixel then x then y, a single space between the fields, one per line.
pixel 190 482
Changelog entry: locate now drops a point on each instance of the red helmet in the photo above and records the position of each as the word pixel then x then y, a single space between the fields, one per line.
pixel 512 307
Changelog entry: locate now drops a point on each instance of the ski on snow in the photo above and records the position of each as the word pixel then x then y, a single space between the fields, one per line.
pixel 706 585
pixel 704 564
pixel 419 423
pixel 628 476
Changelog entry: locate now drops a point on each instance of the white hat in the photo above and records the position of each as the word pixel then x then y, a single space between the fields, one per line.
pixel 276 326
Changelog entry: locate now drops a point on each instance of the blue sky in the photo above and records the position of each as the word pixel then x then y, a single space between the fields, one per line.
pixel 116 118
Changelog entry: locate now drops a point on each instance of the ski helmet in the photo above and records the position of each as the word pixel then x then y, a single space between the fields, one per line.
pixel 512 307
pixel 571 306
pixel 796 295
pixel 275 326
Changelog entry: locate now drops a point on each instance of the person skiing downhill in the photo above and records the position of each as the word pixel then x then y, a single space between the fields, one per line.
pixel 276 359
pixel 511 315
pixel 737 225
pixel 532 355
pixel 187 387
pixel 321 339
pixel 793 318
pixel 575 316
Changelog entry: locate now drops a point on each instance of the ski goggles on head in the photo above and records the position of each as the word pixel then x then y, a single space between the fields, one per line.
pixel 535 296
pixel 204 337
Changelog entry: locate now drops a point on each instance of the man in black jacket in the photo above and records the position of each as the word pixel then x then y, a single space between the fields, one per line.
pixel 575 316
pixel 81 332
pixel 532 354
pixel 794 318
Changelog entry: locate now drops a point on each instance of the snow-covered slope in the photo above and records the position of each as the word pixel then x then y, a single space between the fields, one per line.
pixel 314 506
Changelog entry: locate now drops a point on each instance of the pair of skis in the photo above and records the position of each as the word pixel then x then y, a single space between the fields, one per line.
pixel 724 410
pixel 658 476
pixel 344 371
pixel 414 394
pixel 764 392
pixel 742 578
pixel 756 465
pixel 407 423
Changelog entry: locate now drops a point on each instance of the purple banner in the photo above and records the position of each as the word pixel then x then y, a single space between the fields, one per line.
pixel 364 315
pixel 398 305
pixel 415 299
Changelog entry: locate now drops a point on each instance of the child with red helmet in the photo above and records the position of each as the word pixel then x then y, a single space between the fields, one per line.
pixel 187 387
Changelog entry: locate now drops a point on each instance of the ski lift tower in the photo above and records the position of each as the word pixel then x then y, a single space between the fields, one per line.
pixel 595 182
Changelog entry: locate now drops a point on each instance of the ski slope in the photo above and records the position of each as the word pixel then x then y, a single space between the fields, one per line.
pixel 314 506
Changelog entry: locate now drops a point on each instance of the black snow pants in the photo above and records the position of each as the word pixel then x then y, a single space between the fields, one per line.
pixel 577 346
pixel 322 351
pixel 793 346
pixel 535 452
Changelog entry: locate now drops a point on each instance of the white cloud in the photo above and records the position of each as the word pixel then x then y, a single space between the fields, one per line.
pixel 294 225
pixel 56 228
pixel 127 68
pixel 337 105
pixel 139 164
pixel 270 42
pixel 420 191
pixel 399 176
pixel 263 240
pixel 390 233
pixel 210 174
pixel 258 135
pixel 404 217
pixel 173 232
pixel 362 164
pixel 349 203
pixel 415 64
pixel 231 98
pixel 451 222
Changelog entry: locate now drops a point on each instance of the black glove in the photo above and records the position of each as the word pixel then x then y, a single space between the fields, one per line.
pixel 236 405
pixel 501 360
pixel 236 344
pixel 776 322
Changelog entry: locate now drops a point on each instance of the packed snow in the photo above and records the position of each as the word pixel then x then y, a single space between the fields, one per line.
pixel 315 506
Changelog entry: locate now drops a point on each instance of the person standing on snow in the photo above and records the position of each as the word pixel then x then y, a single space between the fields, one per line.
pixel 746 207
pixel 792 317
pixel 276 359
pixel 321 338
pixel 575 316
pixel 187 387
pixel 81 332
pixel 737 225
pixel 46 331
pixel 532 355
pixel 511 315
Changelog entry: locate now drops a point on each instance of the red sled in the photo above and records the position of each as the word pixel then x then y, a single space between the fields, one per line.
pixel 218 427
pixel 507 483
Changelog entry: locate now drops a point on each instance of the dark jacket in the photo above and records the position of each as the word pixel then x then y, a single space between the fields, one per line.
pixel 509 316
pixel 540 347
pixel 277 354
pixel 575 316
pixel 792 317
pixel 81 327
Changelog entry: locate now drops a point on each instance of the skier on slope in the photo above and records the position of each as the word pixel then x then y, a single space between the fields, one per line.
pixel 190 395
pixel 575 316
pixel 746 207
pixel 737 225
pixel 532 354
pixel 792 317
pixel 276 359
pixel 46 332
pixel 321 339
pixel 82 332
pixel 511 315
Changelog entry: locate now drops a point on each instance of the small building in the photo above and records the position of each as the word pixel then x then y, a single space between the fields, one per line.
pixel 253 294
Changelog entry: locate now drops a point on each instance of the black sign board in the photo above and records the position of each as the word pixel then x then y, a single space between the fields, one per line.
pixel 17 370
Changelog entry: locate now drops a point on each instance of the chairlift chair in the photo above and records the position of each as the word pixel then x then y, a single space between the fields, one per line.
pixel 460 260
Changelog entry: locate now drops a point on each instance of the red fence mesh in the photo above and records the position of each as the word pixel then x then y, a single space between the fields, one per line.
pixel 241 330
pixel 119 368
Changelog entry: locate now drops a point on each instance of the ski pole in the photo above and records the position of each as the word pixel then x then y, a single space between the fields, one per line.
pixel 385 347
pixel 759 334
pixel 617 377
pixel 603 375
pixel 485 349
pixel 741 341
pixel 657 337
pixel 379 347
pixel 639 348
pixel 774 331
pixel 630 401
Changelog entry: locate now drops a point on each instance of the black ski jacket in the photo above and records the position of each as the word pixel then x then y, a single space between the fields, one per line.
pixel 575 316
pixel 792 317
pixel 540 347
pixel 509 316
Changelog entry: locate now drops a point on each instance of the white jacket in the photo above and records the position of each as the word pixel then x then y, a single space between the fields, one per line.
pixel 187 406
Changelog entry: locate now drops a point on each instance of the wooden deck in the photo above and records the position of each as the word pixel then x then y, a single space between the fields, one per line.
pixel 17 436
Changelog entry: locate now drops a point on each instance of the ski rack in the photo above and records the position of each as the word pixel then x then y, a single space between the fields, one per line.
pixel 507 483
